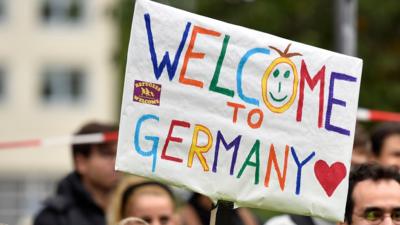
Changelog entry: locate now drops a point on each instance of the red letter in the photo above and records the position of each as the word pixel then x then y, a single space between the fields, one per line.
pixel 196 55
pixel 175 139
pixel 320 77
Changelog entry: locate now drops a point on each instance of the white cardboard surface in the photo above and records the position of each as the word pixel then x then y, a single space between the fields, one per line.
pixel 177 124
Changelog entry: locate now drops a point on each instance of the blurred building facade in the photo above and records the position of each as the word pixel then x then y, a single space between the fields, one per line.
pixel 56 73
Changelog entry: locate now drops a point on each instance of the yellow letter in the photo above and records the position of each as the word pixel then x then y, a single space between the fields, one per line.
pixel 199 150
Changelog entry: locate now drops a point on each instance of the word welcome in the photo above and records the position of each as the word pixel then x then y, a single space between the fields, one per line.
pixel 274 104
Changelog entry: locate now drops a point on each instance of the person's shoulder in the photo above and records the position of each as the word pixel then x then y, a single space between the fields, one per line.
pixel 280 220
pixel 45 217
pixel 58 203
pixel 54 208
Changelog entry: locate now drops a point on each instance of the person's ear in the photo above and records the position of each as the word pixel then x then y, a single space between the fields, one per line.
pixel 81 164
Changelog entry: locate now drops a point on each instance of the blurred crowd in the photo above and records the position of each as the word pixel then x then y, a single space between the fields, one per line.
pixel 94 194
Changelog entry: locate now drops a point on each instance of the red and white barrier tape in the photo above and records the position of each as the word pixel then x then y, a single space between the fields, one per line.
pixel 362 115
pixel 376 115
pixel 65 140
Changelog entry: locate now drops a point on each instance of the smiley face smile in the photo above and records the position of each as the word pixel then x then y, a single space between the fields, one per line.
pixel 277 99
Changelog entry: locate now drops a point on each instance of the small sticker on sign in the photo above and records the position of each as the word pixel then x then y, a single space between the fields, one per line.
pixel 147 92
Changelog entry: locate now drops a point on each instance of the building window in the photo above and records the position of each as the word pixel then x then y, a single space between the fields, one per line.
pixel 62 11
pixel 63 85
pixel 21 197
pixel 2 84
pixel 2 10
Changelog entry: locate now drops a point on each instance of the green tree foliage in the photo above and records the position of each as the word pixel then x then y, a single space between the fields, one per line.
pixel 309 22
pixel 379 47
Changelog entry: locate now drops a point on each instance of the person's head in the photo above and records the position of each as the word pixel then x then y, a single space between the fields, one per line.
pixel 95 162
pixel 361 147
pixel 150 201
pixel 374 196
pixel 132 221
pixel 386 143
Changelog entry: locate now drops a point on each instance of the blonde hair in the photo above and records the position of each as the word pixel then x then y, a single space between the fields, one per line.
pixel 132 220
pixel 130 188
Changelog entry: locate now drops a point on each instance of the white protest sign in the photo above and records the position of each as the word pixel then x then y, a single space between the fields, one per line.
pixel 237 114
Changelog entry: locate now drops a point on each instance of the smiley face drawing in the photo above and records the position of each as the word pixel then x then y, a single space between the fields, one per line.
pixel 280 81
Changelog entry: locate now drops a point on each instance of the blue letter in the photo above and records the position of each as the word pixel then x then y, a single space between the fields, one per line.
pixel 243 60
pixel 155 140
pixel 332 100
pixel 299 167
pixel 158 69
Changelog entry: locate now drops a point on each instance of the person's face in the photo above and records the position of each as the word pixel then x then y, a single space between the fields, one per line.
pixel 390 152
pixel 98 168
pixel 359 156
pixel 154 209
pixel 376 202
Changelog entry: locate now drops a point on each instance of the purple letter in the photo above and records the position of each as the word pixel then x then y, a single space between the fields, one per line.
pixel 332 100
pixel 235 143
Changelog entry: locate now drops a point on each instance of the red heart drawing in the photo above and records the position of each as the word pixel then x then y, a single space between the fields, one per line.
pixel 329 176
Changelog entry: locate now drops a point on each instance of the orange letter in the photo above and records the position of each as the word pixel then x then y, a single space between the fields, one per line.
pixel 196 55
pixel 259 121
pixel 236 107
pixel 272 159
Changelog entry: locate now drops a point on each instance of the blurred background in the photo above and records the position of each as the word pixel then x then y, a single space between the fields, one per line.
pixel 62 63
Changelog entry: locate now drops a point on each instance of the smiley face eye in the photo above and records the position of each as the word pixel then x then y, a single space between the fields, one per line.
pixel 276 73
pixel 286 74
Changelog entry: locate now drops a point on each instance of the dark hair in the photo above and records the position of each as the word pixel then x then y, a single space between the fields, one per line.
pixel 89 128
pixel 380 133
pixel 132 188
pixel 363 172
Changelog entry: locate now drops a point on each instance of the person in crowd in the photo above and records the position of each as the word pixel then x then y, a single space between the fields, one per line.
pixel 291 219
pixel 132 221
pixel 362 147
pixel 385 140
pixel 150 201
pixel 83 195
pixel 374 196
pixel 198 212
